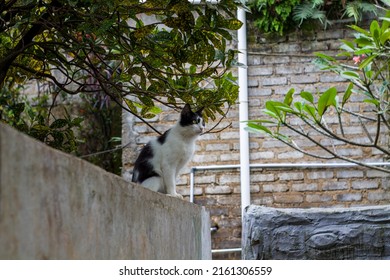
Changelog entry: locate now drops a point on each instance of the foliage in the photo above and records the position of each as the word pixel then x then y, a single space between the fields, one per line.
pixel 273 16
pixel 140 54
pixel 101 132
pixel 33 118
pixel 281 16
pixel 368 73
pixel 310 10
pixel 325 11
pixel 356 9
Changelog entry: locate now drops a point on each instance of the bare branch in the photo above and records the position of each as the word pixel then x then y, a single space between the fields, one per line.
pixel 335 155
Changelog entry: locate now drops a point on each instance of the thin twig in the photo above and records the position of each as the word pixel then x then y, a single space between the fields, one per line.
pixel 107 151
pixel 337 155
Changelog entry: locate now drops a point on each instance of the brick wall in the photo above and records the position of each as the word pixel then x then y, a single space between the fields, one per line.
pixel 275 66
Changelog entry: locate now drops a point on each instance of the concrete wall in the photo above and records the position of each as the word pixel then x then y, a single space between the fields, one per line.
pixel 275 65
pixel 55 206
pixel 317 233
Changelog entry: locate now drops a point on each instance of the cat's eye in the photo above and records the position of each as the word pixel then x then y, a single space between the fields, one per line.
pixel 196 121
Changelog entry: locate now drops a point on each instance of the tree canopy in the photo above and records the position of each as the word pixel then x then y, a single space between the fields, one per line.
pixel 138 53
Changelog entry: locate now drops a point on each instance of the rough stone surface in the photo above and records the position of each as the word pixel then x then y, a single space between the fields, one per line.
pixel 56 206
pixel 317 233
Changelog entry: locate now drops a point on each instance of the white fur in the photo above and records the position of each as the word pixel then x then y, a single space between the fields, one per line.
pixel 170 157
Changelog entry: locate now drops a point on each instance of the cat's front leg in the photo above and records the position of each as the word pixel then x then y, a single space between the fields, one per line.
pixel 170 183
pixel 177 195
pixel 171 191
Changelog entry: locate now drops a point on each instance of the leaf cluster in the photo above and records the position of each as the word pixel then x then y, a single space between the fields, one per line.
pixel 33 119
pixel 279 17
pixel 273 16
pixel 368 73
pixel 141 54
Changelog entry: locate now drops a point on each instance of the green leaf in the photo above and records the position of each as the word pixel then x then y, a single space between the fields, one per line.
pixel 372 101
pixel 155 110
pixel 289 97
pixel 360 30
pixel 386 19
pixel 324 56
pixel 350 75
pixel 367 61
pixel 276 108
pixel 348 46
pixel 77 121
pixel 115 139
pixel 226 34
pixel 40 130
pixel 369 74
pixel 375 31
pixel 307 96
pixel 385 37
pixel 366 51
pixel 59 123
pixel 146 100
pixel 233 24
pixel 342 54
pixel 271 114
pixel 286 109
pixel 130 105
pixel 282 137
pixel 272 107
pixel 311 111
pixel 256 127
pixel 347 94
pixel 363 41
pixel 327 99
pixel 299 106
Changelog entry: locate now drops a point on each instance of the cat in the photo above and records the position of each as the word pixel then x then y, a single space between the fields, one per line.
pixel 161 160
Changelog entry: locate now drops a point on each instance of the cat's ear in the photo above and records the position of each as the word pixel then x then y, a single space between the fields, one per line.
pixel 199 112
pixel 186 110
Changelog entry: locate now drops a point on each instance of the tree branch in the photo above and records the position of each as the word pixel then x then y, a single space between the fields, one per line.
pixel 332 152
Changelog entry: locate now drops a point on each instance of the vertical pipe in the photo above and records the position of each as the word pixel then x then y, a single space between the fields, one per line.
pixel 243 115
pixel 192 183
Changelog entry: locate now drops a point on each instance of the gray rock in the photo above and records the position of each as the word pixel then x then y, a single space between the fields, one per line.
pixel 316 233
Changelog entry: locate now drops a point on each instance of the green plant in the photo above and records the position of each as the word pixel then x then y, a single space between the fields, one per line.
pixel 141 54
pixel 34 118
pixel 273 16
pixel 128 55
pixel 368 71
pixel 101 132
pixel 310 10
pixel 356 9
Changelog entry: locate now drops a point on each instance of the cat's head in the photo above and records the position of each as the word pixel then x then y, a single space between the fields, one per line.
pixel 192 121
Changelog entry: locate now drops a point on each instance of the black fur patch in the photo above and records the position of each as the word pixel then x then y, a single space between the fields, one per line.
pixel 143 169
pixel 161 139
pixel 187 117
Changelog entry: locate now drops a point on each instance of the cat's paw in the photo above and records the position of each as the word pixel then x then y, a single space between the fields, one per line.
pixel 175 195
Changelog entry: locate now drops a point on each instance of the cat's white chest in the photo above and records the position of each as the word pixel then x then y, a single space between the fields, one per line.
pixel 177 152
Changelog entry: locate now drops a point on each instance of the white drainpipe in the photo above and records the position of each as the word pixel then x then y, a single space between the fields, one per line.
pixel 243 108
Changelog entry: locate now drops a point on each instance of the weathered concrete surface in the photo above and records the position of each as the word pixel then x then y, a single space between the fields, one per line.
pixel 55 206
pixel 317 233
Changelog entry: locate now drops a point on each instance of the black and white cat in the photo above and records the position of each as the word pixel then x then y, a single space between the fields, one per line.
pixel 161 160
